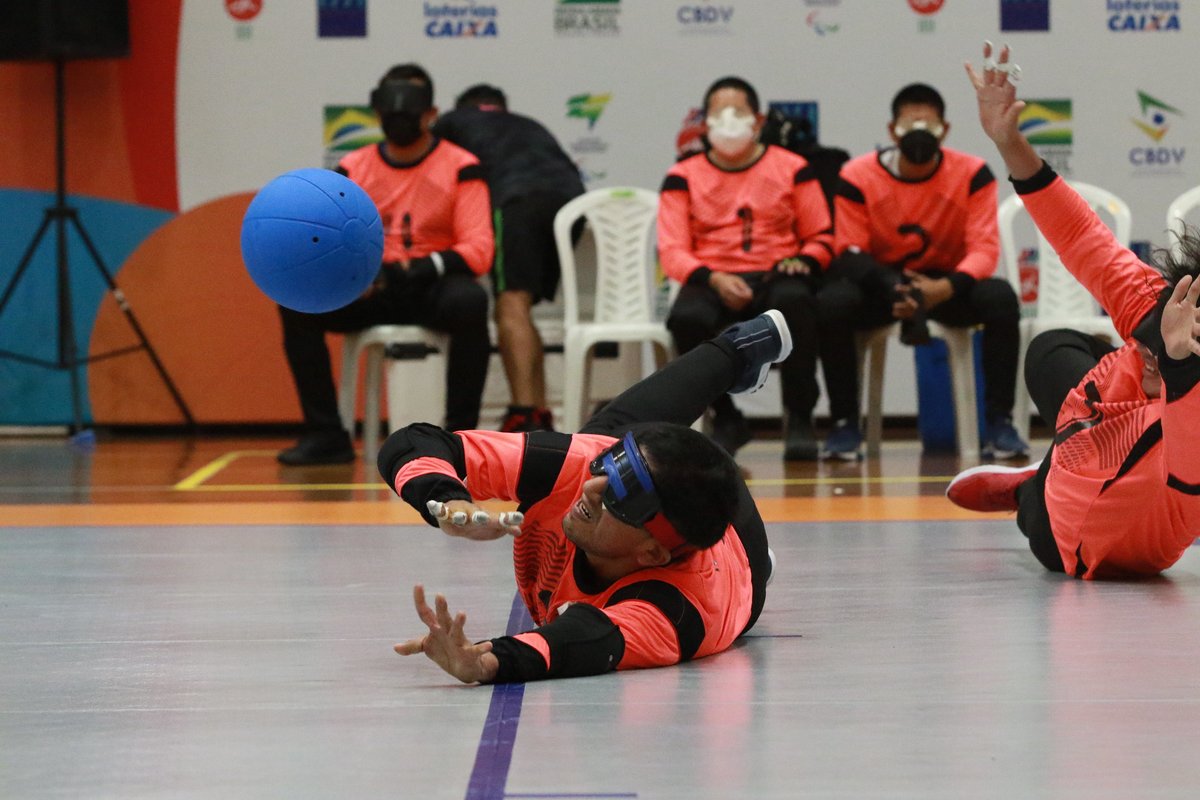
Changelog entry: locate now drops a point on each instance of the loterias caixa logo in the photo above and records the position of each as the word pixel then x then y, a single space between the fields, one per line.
pixel 1142 16
pixel 461 20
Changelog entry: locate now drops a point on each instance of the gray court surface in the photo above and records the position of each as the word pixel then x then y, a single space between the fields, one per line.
pixel 921 660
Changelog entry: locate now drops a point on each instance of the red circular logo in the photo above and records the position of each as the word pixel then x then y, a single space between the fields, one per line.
pixel 245 10
pixel 926 6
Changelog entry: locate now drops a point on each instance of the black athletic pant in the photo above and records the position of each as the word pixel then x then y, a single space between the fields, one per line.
pixel 455 304
pixel 1054 365
pixel 679 393
pixel 858 293
pixel 698 314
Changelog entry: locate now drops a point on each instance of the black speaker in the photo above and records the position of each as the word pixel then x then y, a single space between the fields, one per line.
pixel 50 30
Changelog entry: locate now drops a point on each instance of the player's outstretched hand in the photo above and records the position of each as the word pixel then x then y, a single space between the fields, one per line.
pixel 447 645
pixel 996 94
pixel 1181 319
pixel 465 519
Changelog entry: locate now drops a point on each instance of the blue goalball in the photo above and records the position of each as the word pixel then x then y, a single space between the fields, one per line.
pixel 312 240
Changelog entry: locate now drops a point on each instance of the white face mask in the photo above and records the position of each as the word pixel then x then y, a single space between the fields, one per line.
pixel 729 133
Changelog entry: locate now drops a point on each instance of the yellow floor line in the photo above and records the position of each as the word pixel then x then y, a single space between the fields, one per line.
pixel 210 469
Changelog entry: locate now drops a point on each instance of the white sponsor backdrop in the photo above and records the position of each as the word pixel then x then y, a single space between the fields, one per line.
pixel 251 95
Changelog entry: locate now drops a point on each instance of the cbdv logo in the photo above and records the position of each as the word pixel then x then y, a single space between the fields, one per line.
pixel 1024 15
pixel 587 17
pixel 460 20
pixel 695 18
pixel 1048 127
pixel 1155 121
pixel 588 151
pixel 1142 15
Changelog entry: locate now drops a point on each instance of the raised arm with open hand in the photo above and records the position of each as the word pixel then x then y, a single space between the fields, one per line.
pixel 999 110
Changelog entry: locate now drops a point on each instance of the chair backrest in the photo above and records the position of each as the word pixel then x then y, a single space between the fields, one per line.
pixel 1060 296
pixel 1177 214
pixel 622 224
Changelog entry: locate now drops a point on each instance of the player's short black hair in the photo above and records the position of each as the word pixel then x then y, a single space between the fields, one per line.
pixel 413 73
pixel 1174 263
pixel 918 94
pixel 732 82
pixel 696 481
pixel 482 94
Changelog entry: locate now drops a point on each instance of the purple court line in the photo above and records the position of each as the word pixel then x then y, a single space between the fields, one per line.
pixel 572 796
pixel 494 755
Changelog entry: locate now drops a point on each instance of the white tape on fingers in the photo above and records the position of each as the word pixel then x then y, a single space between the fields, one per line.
pixel 480 518
pixel 437 509
pixel 511 518
pixel 458 518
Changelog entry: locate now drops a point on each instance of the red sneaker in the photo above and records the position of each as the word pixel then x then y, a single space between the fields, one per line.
pixel 989 487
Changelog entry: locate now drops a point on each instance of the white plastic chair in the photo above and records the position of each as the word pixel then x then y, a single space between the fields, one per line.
pixel 622 224
pixel 1062 301
pixel 406 379
pixel 1177 213
pixel 960 349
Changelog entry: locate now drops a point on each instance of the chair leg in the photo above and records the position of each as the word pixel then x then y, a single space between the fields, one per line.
pixel 372 388
pixel 348 385
pixel 573 385
pixel 961 350
pixel 1022 403
pixel 877 356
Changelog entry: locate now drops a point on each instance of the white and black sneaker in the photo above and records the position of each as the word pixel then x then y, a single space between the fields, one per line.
pixel 761 342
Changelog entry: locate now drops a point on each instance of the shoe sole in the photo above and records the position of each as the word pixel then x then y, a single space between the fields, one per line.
pixel 989 469
pixel 852 456
pixel 785 350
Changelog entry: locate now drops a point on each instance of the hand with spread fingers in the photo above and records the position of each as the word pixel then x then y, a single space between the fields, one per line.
pixel 1181 320
pixel 1000 111
pixel 464 519
pixel 447 644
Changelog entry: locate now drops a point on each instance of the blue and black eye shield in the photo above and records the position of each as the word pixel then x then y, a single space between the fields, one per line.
pixel 630 495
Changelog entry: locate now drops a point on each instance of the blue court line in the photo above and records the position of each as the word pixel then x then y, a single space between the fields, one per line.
pixel 494 756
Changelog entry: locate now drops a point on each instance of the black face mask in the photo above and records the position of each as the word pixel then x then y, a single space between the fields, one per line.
pixel 402 128
pixel 919 146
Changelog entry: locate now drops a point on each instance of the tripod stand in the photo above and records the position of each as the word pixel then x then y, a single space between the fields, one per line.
pixel 59 216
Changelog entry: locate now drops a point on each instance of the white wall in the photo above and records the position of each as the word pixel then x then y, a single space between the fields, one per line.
pixel 251 96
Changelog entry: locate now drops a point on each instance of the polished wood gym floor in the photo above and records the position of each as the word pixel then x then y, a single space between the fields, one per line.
pixel 236 479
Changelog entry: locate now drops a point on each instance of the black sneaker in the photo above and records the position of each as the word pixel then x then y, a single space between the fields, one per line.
pixel 324 447
pixel 731 431
pixel 761 342
pixel 799 440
